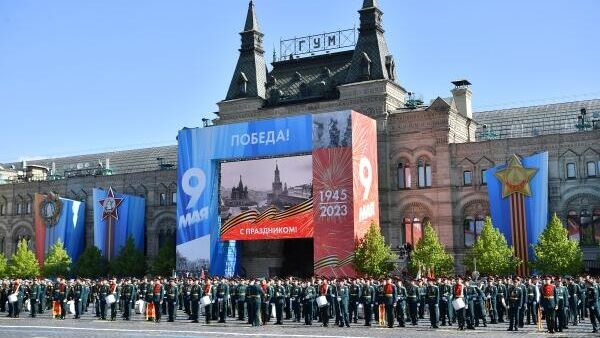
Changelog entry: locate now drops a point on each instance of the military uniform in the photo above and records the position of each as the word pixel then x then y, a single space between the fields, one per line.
pixel 158 294
pixel 207 292
pixel 562 297
pixel 491 296
pixel 433 301
pixel 412 300
pixel 549 304
pixel 33 292
pixel 296 299
pixel 279 296
pixel 127 292
pixel 591 303
pixel 389 297
pixel 195 301
pixel 354 300
pixel 77 295
pixel 172 294
pixel 254 296
pixel 222 300
pixel 368 296
pixel 308 297
pixel 400 304
pixel 515 301
pixel 573 289
pixel 241 300
pixel 445 304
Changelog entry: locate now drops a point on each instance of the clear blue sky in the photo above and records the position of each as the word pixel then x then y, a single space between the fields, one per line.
pixel 81 76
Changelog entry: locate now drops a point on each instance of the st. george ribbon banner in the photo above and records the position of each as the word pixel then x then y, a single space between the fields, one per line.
pixel 58 219
pixel 304 176
pixel 117 217
pixel 518 195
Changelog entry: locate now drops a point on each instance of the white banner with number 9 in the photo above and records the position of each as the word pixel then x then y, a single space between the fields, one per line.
pixel 365 176
pixel 194 191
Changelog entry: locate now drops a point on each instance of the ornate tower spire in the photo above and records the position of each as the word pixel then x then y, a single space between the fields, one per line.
pixel 371 59
pixel 250 72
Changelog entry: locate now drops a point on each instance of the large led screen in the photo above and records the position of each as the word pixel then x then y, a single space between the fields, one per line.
pixel 266 198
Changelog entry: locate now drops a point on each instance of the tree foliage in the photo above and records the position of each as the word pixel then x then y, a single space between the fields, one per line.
pixel 91 263
pixel 57 262
pixel 429 256
pixel 129 262
pixel 164 263
pixel 492 253
pixel 23 264
pixel 372 256
pixel 555 253
pixel 3 266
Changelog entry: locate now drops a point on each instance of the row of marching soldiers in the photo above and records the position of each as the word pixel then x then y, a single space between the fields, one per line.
pixel 448 301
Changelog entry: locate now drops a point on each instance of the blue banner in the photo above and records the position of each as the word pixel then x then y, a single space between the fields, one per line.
pixel 535 205
pixel 200 150
pixel 69 229
pixel 130 221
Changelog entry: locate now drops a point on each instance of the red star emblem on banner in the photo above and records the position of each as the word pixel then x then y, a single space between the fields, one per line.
pixel 110 205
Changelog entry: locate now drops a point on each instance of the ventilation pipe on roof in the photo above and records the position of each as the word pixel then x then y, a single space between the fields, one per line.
pixel 462 97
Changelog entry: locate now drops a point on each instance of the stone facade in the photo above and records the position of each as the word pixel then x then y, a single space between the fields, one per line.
pixel 157 187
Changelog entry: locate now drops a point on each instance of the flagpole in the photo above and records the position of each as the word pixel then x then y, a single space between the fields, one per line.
pixel 109 244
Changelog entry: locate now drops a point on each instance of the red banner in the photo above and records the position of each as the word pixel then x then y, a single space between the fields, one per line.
pixel 334 227
pixel 295 222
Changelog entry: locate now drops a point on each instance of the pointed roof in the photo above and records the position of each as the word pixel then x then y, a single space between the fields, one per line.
pixel 251 21
pixel 250 73
pixel 371 42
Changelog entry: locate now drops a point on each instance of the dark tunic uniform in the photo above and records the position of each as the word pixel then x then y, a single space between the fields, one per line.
pixel 433 301
pixel 515 301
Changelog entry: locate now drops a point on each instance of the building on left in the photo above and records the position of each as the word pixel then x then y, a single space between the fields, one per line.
pixel 149 173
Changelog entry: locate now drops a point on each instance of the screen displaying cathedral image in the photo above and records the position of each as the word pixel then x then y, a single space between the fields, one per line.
pixel 259 191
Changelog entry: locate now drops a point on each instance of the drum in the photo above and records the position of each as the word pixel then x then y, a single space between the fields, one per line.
pixel 458 303
pixel 205 301
pixel 110 299
pixel 139 306
pixel 12 298
pixel 71 305
pixel 28 305
pixel 321 301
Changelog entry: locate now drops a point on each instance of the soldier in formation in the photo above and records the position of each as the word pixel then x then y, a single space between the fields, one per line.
pixel 389 302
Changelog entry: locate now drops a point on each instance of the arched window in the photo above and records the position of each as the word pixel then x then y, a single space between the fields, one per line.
pixel 2 209
pixel 467 178
pixel 27 238
pixel 571 172
pixel 591 169
pixel 472 226
pixel 403 176
pixel 162 199
pixel 2 240
pixel 165 236
pixel 483 178
pixel 28 208
pixel 424 173
pixel 19 207
pixel 413 230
